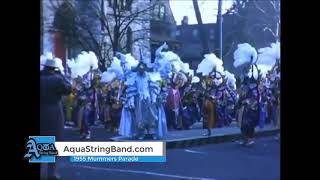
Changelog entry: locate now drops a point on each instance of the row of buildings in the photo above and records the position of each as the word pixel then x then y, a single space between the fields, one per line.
pixel 158 27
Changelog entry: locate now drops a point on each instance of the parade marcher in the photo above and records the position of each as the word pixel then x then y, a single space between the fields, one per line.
pixel 68 105
pixel 250 115
pixel 209 106
pixel 229 109
pixel 220 107
pixel 142 116
pixel 209 113
pixel 75 107
pixel 190 112
pixel 53 85
pixel 114 106
pixel 173 106
pixel 263 102
pixel 86 113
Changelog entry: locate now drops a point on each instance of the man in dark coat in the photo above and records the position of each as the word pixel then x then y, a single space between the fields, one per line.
pixel 53 86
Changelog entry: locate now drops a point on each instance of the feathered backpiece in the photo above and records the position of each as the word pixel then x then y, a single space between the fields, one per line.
pixel 84 63
pixel 210 64
pixel 268 57
pixel 230 80
pixel 244 54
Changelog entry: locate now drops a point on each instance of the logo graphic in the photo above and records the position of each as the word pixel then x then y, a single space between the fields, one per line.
pixel 41 149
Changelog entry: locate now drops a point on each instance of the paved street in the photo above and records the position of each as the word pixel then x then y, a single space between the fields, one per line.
pixel 225 161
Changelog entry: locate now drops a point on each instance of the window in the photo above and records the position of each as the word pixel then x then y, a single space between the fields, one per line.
pixel 156 12
pixel 195 33
pixel 211 34
pixel 159 12
pixel 178 33
pixel 121 4
pixel 211 31
pixel 162 14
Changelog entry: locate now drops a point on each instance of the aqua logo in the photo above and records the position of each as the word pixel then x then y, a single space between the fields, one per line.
pixel 41 149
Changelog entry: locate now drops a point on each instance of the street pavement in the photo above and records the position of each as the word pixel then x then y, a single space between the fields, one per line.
pixel 224 161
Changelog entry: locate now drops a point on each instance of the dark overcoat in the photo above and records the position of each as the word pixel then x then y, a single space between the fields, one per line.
pixel 52 87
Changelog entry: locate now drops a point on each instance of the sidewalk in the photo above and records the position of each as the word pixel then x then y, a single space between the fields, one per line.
pixel 176 139
pixel 194 137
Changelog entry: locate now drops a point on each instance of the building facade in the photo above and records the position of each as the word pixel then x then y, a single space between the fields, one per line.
pixel 136 39
pixel 163 27
pixel 191 49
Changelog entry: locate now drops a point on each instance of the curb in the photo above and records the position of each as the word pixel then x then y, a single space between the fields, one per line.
pixel 215 139
pixel 202 140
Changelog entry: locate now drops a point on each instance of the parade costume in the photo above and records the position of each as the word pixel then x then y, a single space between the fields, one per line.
pixel 263 105
pixel 251 110
pixel 173 107
pixel 231 100
pixel 209 114
pixel 191 111
pixel 220 107
pixel 209 109
pixel 142 114
pixel 85 114
pixel 114 107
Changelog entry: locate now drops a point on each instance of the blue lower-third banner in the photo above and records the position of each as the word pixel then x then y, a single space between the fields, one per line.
pixel 118 158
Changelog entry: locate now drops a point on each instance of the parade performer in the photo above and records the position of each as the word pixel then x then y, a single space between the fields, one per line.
pixel 209 113
pixel 250 114
pixel 231 97
pixel 220 106
pixel 142 115
pixel 191 111
pixel 275 95
pixel 231 100
pixel 68 105
pixel 174 105
pixel 85 112
pixel 263 102
pixel 209 107
pixel 114 106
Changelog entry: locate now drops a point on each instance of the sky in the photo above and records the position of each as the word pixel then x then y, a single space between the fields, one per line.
pixel 208 10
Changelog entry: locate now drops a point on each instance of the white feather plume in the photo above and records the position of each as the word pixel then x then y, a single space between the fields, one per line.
pixel 195 79
pixel 59 63
pixel 243 54
pixel 231 80
pixel 116 67
pixel 210 62
pixel 93 60
pixel 131 62
pixel 107 77
pixel 82 64
pixel 267 57
pixel 155 76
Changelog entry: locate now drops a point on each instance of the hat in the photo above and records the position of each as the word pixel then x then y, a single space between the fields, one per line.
pixel 51 63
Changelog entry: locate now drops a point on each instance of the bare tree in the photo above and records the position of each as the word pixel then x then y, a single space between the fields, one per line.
pixel 202 31
pixel 250 21
pixel 218 39
pixel 256 16
pixel 116 22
